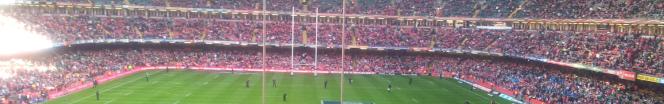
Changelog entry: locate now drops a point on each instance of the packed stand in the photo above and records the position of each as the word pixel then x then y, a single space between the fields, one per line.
pixel 565 9
pixel 529 80
pixel 593 9
pixel 448 8
pixel 565 86
pixel 618 51
pixel 39 75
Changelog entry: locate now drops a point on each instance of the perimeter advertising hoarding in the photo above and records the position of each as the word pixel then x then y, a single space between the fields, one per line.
pixel 648 78
pixel 628 75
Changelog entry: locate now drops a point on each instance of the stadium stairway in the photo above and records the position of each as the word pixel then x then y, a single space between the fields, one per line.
pixel 518 9
pixel 477 11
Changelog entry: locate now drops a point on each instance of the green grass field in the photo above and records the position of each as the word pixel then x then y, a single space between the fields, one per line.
pixel 192 87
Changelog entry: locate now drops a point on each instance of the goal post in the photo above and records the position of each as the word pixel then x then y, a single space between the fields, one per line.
pixel 293 45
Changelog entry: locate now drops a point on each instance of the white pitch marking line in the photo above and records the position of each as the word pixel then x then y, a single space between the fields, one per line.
pixel 128 93
pixel 187 95
pixel 477 95
pixel 176 102
pixel 108 102
pixel 124 83
pixel 415 100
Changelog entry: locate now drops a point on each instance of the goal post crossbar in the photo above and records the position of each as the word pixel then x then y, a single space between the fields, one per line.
pixel 315 63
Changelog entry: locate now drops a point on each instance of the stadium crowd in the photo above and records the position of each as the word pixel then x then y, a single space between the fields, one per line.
pixel 68 67
pixel 589 9
pixel 618 51
pixel 596 9
pixel 621 51
pixel 555 85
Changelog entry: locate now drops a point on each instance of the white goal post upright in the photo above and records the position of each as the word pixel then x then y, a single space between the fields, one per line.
pixel 343 50
pixel 264 47
pixel 292 41
pixel 316 47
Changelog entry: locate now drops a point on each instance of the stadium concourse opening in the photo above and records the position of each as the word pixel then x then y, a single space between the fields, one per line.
pixel 331 52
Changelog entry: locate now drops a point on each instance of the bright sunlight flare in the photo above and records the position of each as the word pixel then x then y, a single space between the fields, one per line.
pixel 7 2
pixel 15 38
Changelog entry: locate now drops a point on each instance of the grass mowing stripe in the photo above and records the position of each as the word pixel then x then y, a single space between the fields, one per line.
pixel 254 95
pixel 420 83
pixel 380 88
pixel 434 83
pixel 196 91
pixel 187 91
pixel 311 83
pixel 215 89
pixel 360 94
pixel 158 86
pixel 269 88
pixel 188 87
pixel 270 91
pixel 108 102
pixel 381 82
pixel 318 86
pixel 236 89
pixel 124 91
pixel 105 90
pixel 288 85
pixel 294 92
pixel 400 84
pixel 333 87
pixel 146 86
pixel 475 93
pixel 396 88
pixel 161 86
